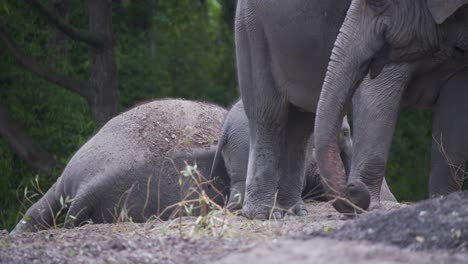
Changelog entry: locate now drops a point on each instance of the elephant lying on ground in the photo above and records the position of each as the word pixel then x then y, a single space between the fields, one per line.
pixel 283 49
pixel 131 168
pixel 391 54
pixel 233 149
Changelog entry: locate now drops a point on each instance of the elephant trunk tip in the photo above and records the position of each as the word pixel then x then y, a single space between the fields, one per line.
pixel 356 199
pixel 331 168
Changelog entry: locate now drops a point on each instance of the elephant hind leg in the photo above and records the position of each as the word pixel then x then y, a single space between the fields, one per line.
pixel 298 131
pixel 450 140
pixel 79 212
pixel 43 214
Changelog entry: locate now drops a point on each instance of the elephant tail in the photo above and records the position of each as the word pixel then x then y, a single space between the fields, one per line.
pixel 222 141
pixel 44 213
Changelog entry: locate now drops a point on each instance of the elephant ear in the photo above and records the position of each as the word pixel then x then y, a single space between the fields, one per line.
pixel 442 9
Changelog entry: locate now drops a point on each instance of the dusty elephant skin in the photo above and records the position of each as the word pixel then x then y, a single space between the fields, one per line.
pixel 391 54
pixel 439 223
pixel 233 149
pixel 281 81
pixel 130 169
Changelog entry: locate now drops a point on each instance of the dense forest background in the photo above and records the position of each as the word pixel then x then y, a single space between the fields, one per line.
pixel 67 66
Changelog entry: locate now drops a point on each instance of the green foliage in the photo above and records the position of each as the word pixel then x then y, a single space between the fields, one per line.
pixel 53 117
pixel 409 164
pixel 179 54
pixel 164 49
pixel 408 168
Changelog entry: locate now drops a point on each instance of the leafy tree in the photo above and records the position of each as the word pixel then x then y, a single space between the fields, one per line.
pixel 100 90
pixel 162 48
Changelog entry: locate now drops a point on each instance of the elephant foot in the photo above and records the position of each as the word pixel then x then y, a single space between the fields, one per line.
pixel 235 200
pixel 23 226
pixel 260 212
pixel 234 206
pixel 356 199
pixel 297 208
pixel 375 205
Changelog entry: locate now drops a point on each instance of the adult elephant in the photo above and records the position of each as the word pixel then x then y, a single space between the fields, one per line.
pixel 233 149
pixel 401 52
pixel 282 49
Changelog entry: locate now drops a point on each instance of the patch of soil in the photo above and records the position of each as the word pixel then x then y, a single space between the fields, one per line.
pixel 327 251
pixel 162 242
pixel 439 223
pixel 121 243
pixel 222 239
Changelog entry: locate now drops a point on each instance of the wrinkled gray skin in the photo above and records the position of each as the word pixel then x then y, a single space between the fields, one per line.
pixel 414 52
pixel 233 149
pixel 282 50
pixel 131 167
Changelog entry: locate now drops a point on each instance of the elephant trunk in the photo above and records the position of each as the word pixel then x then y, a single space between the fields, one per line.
pixel 356 45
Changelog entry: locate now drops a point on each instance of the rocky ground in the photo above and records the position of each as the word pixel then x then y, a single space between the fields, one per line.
pixel 433 231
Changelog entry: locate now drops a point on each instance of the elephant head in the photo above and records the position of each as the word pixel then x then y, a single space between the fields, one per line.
pixel 375 33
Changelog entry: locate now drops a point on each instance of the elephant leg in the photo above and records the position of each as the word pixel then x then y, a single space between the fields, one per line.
pixel 266 110
pixel 298 131
pixel 79 212
pixel 375 111
pixel 236 196
pixel 386 194
pixel 450 141
pixel 264 168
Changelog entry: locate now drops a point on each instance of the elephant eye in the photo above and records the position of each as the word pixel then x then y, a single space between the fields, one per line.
pixel 345 133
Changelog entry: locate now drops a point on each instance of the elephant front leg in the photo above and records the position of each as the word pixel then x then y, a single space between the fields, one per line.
pixel 298 131
pixel 266 110
pixel 375 111
pixel 450 141
pixel 264 168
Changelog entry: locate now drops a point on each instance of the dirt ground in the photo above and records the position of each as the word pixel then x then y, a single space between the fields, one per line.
pixel 233 239
pixel 440 223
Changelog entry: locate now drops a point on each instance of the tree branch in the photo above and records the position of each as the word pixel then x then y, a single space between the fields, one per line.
pixel 36 157
pixel 80 87
pixel 74 33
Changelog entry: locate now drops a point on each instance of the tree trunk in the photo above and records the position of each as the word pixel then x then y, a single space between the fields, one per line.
pixel 100 91
pixel 59 39
pixel 103 68
pixel 36 157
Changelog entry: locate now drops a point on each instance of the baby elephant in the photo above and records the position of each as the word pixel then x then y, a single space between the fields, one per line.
pixel 131 169
pixel 233 152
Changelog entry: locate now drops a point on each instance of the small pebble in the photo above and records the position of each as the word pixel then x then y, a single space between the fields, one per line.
pixel 423 213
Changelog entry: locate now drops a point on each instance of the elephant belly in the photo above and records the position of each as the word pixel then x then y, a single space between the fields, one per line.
pixel 299 71
pixel 422 93
pixel 424 89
